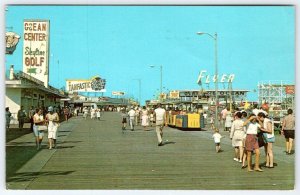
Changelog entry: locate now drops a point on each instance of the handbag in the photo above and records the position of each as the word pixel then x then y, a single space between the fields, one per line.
pixel 42 128
pixel 260 139
pixel 268 138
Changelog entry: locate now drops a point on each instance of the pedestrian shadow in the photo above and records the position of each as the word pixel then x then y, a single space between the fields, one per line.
pixel 19 143
pixel 169 142
pixel 14 133
pixel 264 163
pixel 64 142
pixel 64 131
pixel 17 156
pixel 63 147
pixel 28 176
pixel 292 151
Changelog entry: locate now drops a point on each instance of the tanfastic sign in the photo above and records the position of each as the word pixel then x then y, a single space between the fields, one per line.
pixel 96 84
pixel 35 49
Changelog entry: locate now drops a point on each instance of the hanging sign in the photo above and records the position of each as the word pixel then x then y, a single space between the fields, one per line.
pixel 35 49
pixel 225 78
pixel 95 84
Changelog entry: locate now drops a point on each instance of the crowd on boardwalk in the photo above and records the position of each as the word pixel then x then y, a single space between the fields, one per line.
pixel 145 117
pixel 248 130
pixel 251 130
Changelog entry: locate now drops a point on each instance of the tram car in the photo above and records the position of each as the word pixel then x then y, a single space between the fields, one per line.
pixel 186 121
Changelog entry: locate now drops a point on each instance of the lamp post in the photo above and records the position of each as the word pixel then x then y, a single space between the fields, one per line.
pixel 152 66
pixel 215 38
pixel 52 61
pixel 139 80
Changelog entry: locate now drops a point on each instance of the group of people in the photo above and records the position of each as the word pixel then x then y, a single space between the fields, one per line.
pixel 41 120
pixel 147 117
pixel 42 123
pixel 21 117
pixel 250 133
pixel 95 113
pixel 137 116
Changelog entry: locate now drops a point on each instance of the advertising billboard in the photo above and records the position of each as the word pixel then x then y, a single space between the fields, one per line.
pixel 95 84
pixel 118 93
pixel 174 95
pixel 36 49
pixel 290 89
pixel 11 39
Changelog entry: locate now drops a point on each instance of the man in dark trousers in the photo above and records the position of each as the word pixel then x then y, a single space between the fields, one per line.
pixel 21 117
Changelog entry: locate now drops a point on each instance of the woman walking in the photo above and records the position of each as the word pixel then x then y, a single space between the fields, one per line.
pixel 288 130
pixel 237 135
pixel 92 113
pixel 66 113
pixel 251 143
pixel 269 138
pixel 38 127
pixel 7 117
pixel 98 114
pixel 145 118
pixel 151 118
pixel 85 112
pixel 53 121
pixel 228 121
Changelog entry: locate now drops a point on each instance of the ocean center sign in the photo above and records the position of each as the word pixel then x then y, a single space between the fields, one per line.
pixel 225 78
pixel 36 49
pixel 95 84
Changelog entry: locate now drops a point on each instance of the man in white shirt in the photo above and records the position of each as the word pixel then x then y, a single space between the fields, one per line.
pixel 131 115
pixel 160 116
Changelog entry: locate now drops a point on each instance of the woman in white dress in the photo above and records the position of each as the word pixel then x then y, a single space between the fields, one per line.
pixel 85 112
pixel 52 119
pixel 228 121
pixel 145 118
pixel 237 134
pixel 92 113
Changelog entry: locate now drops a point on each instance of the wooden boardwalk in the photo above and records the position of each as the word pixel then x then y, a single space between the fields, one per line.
pixel 97 155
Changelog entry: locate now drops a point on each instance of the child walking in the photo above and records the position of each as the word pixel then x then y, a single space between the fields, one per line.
pixel 98 114
pixel 217 138
pixel 124 120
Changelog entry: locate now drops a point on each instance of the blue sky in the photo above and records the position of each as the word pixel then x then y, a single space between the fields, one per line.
pixel 119 43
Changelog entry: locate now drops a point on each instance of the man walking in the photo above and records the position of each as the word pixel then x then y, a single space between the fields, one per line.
pixel 31 114
pixel 131 115
pixel 21 118
pixel 160 116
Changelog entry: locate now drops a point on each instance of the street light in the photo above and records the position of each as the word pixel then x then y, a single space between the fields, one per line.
pixel 152 66
pixel 215 37
pixel 139 80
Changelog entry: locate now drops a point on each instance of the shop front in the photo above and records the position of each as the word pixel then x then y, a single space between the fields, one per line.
pixel 24 90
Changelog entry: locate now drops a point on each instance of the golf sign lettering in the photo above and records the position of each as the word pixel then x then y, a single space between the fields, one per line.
pixel 35 48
